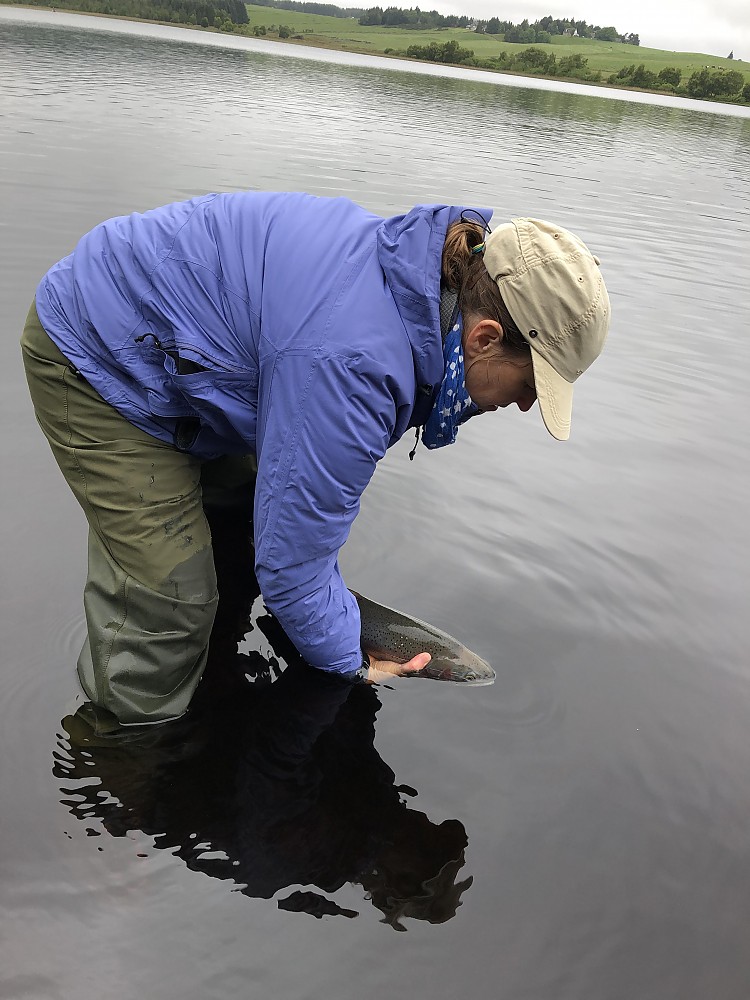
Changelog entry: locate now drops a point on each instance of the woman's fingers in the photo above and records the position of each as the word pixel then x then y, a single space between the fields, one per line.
pixel 381 670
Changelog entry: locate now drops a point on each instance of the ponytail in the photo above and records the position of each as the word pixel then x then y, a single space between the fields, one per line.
pixel 463 272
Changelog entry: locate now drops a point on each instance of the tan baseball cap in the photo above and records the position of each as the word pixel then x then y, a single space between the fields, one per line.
pixel 553 288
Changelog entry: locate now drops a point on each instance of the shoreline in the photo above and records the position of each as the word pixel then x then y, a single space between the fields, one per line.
pixel 313 41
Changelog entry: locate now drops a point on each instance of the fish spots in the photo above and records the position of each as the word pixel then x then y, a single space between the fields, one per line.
pixel 396 636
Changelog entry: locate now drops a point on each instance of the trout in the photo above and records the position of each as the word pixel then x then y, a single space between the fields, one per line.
pixel 392 635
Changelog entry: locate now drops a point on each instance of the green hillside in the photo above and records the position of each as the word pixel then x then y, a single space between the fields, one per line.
pixel 348 34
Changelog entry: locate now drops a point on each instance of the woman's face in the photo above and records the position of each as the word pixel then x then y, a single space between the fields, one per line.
pixel 494 380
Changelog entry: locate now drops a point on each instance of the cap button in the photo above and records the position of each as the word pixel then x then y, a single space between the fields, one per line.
pixel 533 333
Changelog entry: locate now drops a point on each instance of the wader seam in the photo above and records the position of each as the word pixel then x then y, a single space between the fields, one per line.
pixel 120 626
pixel 70 437
pixel 74 452
pixel 92 511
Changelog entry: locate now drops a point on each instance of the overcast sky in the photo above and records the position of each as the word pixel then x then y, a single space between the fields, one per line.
pixel 713 26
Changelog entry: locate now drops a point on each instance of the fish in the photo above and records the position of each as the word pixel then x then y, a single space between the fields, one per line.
pixel 391 635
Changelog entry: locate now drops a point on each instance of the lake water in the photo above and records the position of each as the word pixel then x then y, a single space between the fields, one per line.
pixel 588 814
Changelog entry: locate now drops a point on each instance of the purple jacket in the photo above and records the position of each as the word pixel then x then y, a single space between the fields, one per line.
pixel 305 330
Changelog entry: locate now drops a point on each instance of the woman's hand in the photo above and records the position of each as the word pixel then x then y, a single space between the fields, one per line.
pixel 384 670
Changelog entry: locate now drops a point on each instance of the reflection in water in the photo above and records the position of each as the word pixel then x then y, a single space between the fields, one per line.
pixel 268 784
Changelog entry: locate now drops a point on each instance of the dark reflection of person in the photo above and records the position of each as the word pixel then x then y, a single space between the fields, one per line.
pixel 290 789
pixel 270 785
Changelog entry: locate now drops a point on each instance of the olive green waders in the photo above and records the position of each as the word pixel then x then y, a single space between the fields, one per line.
pixel 151 595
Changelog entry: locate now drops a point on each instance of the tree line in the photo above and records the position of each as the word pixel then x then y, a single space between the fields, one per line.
pixel 206 13
pixel 539 32
pixel 307 7
pixel 702 83
pixel 531 60
pixel 397 17
pixel 725 84
pixel 542 32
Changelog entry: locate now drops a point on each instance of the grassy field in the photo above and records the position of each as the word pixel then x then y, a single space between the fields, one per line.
pixel 609 57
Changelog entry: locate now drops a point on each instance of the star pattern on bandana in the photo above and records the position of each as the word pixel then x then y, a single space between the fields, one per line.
pixel 453 404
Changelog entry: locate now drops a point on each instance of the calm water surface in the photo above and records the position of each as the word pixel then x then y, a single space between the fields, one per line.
pixel 583 824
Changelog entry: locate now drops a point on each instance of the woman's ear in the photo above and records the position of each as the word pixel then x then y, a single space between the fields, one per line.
pixel 483 338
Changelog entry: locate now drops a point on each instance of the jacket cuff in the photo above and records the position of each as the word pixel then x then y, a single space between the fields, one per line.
pixel 360 676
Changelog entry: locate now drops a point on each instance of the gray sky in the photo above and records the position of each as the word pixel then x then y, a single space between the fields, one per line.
pixel 713 26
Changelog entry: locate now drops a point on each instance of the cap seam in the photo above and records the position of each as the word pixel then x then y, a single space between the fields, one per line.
pixel 539 262
pixel 574 325
pixel 549 402
pixel 580 320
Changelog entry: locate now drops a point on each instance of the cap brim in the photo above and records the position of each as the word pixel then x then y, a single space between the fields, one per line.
pixel 555 396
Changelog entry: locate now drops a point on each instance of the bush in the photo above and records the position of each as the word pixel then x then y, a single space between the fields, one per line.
pixel 639 76
pixel 622 74
pixel 670 75
pixel 571 65
pixel 705 84
pixel 448 52
pixel 534 60
pixel 644 78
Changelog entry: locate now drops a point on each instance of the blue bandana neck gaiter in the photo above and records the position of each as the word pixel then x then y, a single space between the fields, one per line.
pixel 453 405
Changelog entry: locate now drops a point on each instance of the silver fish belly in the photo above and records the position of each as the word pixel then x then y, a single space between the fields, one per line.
pixel 391 635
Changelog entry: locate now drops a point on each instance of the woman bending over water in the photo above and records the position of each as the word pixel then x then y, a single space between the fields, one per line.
pixel 269 349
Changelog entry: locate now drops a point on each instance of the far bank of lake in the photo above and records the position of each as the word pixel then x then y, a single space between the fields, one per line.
pixel 377 46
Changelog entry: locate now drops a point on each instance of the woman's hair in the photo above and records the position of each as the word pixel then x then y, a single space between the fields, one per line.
pixel 478 295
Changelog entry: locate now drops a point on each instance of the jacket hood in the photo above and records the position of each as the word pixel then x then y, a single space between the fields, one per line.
pixel 410 249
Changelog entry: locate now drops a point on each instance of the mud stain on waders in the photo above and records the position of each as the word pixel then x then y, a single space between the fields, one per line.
pixel 174 527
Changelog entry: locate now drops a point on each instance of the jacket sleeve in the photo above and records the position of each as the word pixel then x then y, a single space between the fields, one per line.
pixel 324 423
